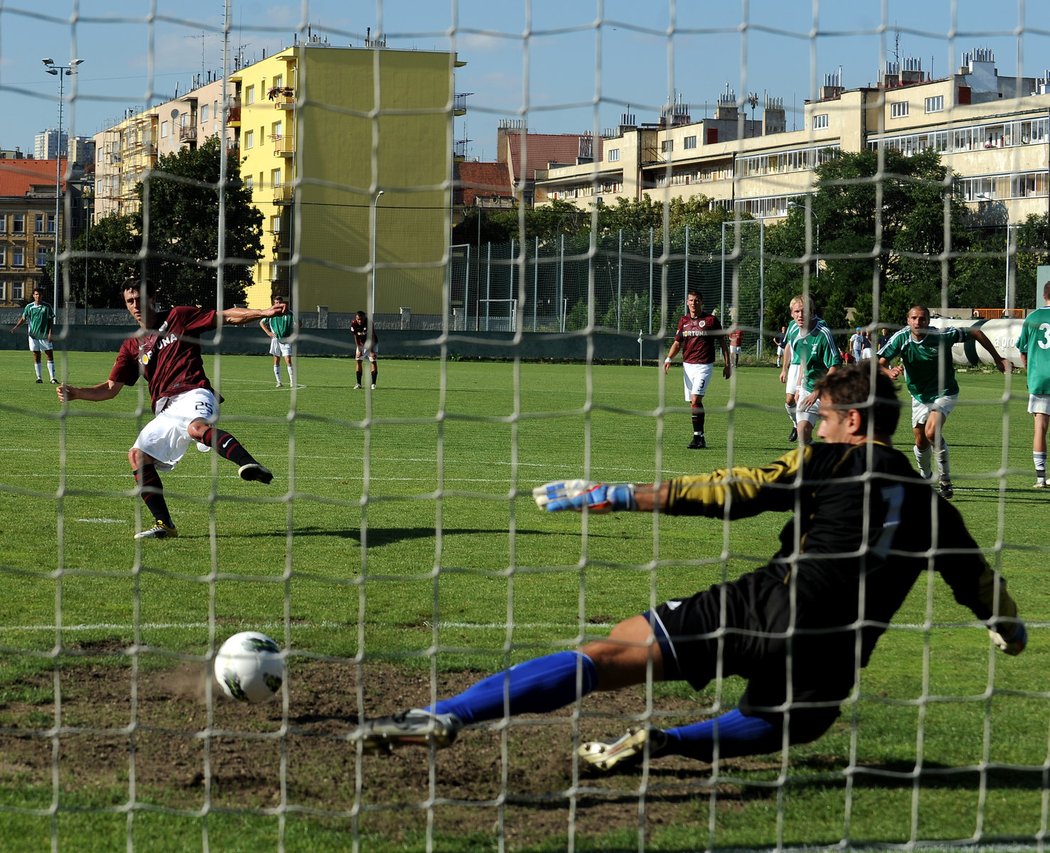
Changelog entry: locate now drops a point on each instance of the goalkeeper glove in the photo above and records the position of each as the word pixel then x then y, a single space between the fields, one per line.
pixel 577 494
pixel 1017 642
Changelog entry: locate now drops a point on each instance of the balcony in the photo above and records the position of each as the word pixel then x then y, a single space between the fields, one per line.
pixel 188 133
pixel 233 113
pixel 284 146
pixel 283 97
pixel 283 194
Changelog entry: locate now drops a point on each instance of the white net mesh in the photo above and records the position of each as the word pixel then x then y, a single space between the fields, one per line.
pixel 398 555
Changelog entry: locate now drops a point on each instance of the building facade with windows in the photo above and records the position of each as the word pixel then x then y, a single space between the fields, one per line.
pixel 27 227
pixel 990 130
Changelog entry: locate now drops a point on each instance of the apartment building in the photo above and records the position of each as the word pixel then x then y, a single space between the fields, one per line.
pixel 989 129
pixel 27 226
pixel 130 148
pixel 348 154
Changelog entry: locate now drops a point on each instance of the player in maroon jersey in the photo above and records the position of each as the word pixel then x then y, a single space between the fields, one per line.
pixel 367 342
pixel 167 353
pixel 696 337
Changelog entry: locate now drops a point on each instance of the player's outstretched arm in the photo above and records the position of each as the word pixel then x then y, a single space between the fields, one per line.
pixel 95 393
pixel 240 316
pixel 598 497
pixel 1001 364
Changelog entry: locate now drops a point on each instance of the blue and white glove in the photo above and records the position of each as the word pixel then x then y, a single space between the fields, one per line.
pixel 1017 642
pixel 577 494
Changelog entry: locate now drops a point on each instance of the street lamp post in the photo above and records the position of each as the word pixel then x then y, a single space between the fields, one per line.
pixel 372 254
pixel 59 71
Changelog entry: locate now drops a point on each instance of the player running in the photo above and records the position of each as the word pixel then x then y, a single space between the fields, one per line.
pixel 862 528
pixel 167 353
pixel 1034 345
pixel 695 338
pixel 926 362
pixel 41 319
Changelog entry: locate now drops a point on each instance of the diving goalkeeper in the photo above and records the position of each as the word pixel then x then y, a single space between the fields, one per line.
pixel 863 527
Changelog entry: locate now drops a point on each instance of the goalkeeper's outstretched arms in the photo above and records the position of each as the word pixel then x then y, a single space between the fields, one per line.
pixel 736 492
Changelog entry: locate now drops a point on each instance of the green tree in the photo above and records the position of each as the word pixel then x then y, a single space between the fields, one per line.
pixel 179 223
pixel 102 258
pixel 883 225
pixel 1033 250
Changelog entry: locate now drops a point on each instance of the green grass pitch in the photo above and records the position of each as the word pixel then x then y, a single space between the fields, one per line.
pixel 400 526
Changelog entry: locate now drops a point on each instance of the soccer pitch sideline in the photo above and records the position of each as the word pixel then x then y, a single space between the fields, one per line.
pixel 400 529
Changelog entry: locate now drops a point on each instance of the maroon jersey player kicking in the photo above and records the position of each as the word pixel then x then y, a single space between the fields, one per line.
pixel 167 353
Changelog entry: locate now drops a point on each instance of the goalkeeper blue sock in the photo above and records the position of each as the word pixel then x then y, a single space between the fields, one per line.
pixel 734 733
pixel 536 686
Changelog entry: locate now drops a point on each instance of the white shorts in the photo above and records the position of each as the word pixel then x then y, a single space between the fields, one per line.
pixel 812 414
pixel 371 353
pixel 865 353
pixel 1039 404
pixel 280 348
pixel 920 412
pixel 165 438
pixel 695 378
pixel 734 350
pixel 40 344
pixel 791 386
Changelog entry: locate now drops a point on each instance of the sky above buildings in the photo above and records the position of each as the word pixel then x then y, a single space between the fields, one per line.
pixel 558 65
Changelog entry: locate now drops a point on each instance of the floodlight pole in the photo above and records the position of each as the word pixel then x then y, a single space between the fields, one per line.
pixel 59 71
pixel 372 253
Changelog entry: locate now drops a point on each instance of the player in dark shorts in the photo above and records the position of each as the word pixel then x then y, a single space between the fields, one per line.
pixel 862 528
pixel 367 344
pixel 167 353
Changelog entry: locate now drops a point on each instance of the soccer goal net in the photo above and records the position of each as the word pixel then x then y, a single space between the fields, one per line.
pixel 370 275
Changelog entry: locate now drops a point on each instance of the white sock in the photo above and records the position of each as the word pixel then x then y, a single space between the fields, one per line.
pixel 941 455
pixel 922 459
pixel 791 409
pixel 291 376
pixel 1040 464
pixel 51 369
pixel 277 373
pixel 36 367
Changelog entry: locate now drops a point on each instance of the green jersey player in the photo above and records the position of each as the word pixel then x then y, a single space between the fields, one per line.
pixel 280 329
pixel 40 318
pixel 1034 345
pixel 817 355
pixel 926 363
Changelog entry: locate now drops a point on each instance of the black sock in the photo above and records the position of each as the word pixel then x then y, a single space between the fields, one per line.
pixel 698 423
pixel 375 374
pixel 357 373
pixel 227 446
pixel 153 493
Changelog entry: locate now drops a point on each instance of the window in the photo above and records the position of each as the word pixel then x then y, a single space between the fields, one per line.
pixel 249 95
pixel 666 146
pixel 249 139
pixel 42 255
pixel 278 81
pixel 277 129
pixel 17 291
pixel 613 155
pixel 275 224
pixel 38 225
pixel 690 142
pixel 935 105
pixel 18 256
pixel 898 109
pixel 3 291
pixel 204 114
pixel 820 122
pixel 163 130
pixel 249 182
pixel 3 256
pixel 277 176
pixel 19 224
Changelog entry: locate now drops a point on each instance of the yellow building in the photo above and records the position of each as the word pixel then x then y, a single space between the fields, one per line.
pixel 332 138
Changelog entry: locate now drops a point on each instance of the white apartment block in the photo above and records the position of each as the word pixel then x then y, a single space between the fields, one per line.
pixel 992 131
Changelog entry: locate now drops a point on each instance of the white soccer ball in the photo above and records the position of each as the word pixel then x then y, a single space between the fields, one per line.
pixel 249 667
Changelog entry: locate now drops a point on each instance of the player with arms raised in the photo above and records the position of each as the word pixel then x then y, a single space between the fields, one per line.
pixel 167 353
pixel 695 337
pixel 862 528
